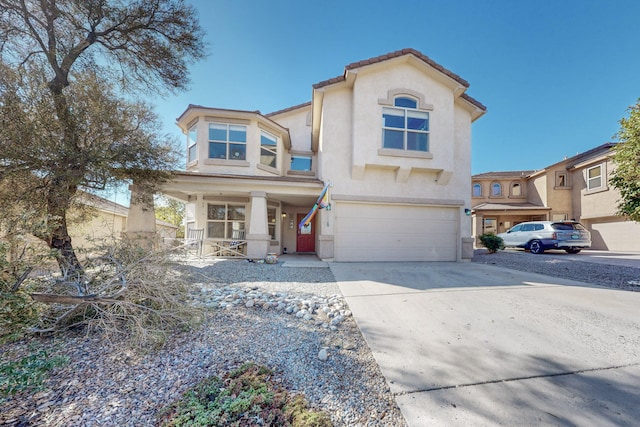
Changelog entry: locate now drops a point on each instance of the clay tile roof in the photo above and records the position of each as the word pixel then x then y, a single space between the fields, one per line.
pixel 285 110
pixel 391 55
pixel 505 174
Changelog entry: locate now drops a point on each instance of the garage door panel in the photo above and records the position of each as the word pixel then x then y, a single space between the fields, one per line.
pixel 616 236
pixel 368 232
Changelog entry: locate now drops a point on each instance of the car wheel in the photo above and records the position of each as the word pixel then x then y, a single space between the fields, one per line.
pixel 573 251
pixel 536 247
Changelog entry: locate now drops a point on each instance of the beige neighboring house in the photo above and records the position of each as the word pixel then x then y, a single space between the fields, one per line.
pixel 104 220
pixel 576 188
pixel 391 136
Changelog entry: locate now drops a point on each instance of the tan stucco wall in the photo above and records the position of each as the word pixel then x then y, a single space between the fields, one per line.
pixel 95 226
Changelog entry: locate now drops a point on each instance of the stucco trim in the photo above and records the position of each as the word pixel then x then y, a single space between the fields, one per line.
pixel 225 162
pixel 396 200
pixel 392 93
pixel 221 119
pixel 403 153
pixel 268 169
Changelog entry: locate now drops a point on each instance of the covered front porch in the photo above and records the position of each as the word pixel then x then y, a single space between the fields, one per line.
pixel 251 217
pixel 499 217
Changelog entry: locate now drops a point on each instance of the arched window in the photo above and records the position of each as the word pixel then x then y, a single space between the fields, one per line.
pixel 477 189
pixel 496 189
pixel 516 189
pixel 404 127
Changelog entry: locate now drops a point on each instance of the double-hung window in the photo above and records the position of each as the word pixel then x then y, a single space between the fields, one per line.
pixel 594 177
pixel 225 221
pixel 404 127
pixel 227 141
pixel 192 138
pixel 268 150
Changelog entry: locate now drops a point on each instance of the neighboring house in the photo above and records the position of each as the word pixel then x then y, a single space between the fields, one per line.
pixel 392 139
pixel 104 219
pixel 576 188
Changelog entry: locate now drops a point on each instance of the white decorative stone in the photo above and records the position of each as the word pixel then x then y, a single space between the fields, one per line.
pixel 323 355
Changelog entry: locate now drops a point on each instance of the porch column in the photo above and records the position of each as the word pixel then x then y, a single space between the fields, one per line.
pixel 141 219
pixel 258 237
pixel 324 228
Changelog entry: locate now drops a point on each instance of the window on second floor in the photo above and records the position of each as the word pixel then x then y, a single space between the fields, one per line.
pixel 301 163
pixel 477 189
pixel 496 189
pixel 516 189
pixel 227 141
pixel 404 127
pixel 268 150
pixel 594 177
pixel 561 179
pixel 192 138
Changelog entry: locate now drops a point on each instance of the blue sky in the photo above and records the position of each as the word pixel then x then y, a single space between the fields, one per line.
pixel 556 75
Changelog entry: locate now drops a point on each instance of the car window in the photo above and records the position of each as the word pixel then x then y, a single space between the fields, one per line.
pixel 527 227
pixel 579 226
pixel 537 227
pixel 562 226
pixel 515 228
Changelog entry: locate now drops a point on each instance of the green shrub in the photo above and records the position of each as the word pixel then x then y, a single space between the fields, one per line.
pixel 28 373
pixel 244 397
pixel 17 310
pixel 492 242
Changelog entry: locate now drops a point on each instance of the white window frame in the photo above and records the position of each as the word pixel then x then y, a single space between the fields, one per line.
pixel 473 189
pixel 270 149
pixel 406 112
pixel 192 144
pixel 228 142
pixel 230 224
pixel 493 185
pixel 599 178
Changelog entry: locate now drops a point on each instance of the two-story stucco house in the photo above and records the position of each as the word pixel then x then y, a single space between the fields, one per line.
pixel 391 137
pixel 576 188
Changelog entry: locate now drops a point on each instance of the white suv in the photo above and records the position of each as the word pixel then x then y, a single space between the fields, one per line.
pixel 537 236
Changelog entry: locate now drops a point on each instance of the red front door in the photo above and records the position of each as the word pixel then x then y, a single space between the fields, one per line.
pixel 306 241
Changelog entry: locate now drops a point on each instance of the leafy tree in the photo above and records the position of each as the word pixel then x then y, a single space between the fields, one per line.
pixel 171 211
pixel 626 176
pixel 70 74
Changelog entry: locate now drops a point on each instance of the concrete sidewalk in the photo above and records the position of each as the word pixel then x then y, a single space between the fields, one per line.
pixel 470 344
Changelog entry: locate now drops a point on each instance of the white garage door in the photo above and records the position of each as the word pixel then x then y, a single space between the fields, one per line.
pixel 378 232
pixel 616 236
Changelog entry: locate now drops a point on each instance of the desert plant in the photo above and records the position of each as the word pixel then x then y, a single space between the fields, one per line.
pixel 492 242
pixel 244 397
pixel 28 373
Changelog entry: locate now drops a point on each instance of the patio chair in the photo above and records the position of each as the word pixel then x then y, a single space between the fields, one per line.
pixel 194 239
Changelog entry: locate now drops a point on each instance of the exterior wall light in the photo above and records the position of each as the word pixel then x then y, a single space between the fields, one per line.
pixel 467 212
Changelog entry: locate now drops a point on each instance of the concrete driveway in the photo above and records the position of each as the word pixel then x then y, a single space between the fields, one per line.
pixel 471 344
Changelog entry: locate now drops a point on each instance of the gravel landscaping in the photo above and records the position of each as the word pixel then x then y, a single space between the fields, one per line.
pixel 291 320
pixel 559 265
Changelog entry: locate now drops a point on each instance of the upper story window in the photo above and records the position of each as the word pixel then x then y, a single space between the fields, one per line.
pixel 477 189
pixel 594 177
pixel 496 189
pixel 268 150
pixel 404 127
pixel 561 179
pixel 227 141
pixel 301 163
pixel 192 138
pixel 516 189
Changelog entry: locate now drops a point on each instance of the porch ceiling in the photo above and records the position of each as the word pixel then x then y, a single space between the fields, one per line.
pixel 288 190
pixel 504 207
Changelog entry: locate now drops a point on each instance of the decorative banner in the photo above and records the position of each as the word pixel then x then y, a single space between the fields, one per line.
pixel 321 203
